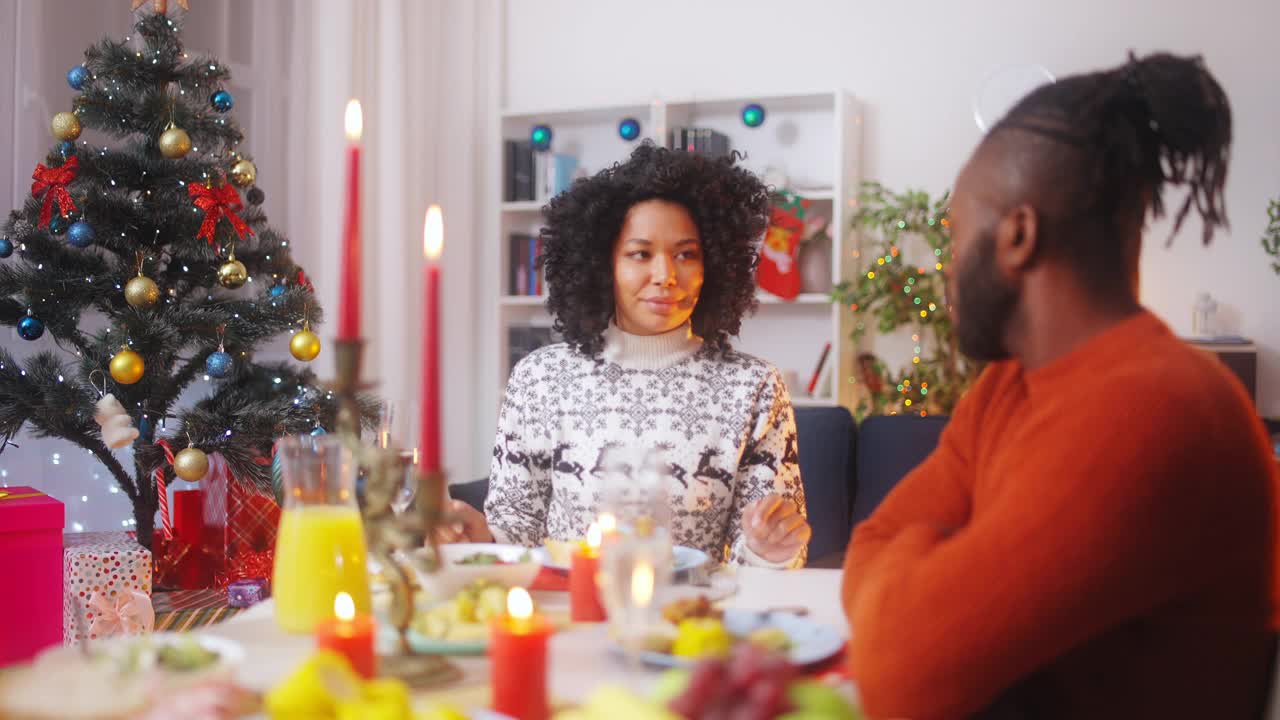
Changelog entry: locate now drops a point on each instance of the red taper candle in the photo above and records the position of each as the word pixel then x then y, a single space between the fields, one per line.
pixel 432 246
pixel 349 298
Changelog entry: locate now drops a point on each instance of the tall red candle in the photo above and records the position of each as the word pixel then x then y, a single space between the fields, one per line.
pixel 349 299
pixel 518 654
pixel 432 246
pixel 584 593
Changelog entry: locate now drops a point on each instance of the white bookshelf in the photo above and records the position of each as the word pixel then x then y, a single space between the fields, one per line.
pixel 815 138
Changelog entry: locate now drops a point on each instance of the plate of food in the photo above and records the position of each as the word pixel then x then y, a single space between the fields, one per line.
pixel 559 552
pixel 464 564
pixel 695 630
pixel 460 624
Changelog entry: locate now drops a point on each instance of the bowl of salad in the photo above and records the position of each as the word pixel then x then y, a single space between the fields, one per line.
pixel 463 564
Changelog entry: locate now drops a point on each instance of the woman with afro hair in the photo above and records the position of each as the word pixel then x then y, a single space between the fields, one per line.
pixel 650 266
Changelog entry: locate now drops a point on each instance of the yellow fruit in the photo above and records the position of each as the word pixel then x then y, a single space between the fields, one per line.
pixel 315 688
pixel 700 638
pixel 443 712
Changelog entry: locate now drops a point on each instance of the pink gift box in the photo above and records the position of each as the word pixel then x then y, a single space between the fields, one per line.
pixel 99 563
pixel 31 568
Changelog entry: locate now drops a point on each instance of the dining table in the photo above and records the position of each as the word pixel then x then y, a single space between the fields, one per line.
pixel 579 655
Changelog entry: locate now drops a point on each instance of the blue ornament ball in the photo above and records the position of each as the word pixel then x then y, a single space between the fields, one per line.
pixel 81 234
pixel 66 148
pixel 58 225
pixel 30 328
pixel 317 432
pixel 540 136
pixel 222 101
pixel 77 77
pixel 629 129
pixel 218 364
pixel 753 115
pixel 6 247
pixel 278 290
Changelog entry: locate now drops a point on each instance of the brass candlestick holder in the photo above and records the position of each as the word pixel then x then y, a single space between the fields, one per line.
pixel 401 542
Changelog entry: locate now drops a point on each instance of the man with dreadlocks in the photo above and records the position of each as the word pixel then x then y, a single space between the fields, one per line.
pixel 1094 535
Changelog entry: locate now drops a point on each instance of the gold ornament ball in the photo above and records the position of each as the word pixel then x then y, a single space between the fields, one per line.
pixel 243 173
pixel 305 345
pixel 141 292
pixel 232 274
pixel 191 464
pixel 65 126
pixel 175 143
pixel 127 367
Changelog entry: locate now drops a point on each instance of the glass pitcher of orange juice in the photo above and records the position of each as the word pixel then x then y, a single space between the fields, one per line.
pixel 320 548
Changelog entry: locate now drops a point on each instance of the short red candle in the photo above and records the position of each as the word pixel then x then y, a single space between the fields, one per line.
pixel 518 654
pixel 584 593
pixel 349 297
pixel 349 635
pixel 432 246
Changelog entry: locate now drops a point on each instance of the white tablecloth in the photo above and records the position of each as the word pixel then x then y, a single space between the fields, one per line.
pixel 579 659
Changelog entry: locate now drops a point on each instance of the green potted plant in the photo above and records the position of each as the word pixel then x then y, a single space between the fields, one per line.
pixel 906 245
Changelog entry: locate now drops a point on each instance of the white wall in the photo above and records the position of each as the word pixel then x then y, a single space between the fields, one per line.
pixel 916 67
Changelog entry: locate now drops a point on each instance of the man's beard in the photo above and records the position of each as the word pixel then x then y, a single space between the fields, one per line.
pixel 983 302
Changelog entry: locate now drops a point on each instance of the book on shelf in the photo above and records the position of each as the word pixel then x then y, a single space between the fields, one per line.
pixel 524 339
pixel 700 140
pixel 535 176
pixel 523 275
pixel 554 173
pixel 817 371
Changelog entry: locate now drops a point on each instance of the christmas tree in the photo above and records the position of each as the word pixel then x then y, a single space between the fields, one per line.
pixel 136 255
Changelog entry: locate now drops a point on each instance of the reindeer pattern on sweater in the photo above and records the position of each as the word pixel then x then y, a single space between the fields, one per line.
pixel 723 423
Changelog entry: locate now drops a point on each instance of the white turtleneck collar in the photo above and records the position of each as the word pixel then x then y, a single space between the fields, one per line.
pixel 650 352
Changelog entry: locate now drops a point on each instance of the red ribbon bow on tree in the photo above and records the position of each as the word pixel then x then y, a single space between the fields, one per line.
pixel 53 183
pixel 218 203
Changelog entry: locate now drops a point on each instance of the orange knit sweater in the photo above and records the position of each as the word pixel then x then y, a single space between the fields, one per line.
pixel 1094 538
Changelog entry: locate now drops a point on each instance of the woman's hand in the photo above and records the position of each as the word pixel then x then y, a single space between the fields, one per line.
pixel 774 528
pixel 463 524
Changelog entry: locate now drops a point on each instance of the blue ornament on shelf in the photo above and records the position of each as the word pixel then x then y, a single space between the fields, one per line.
pixel 81 234
pixel 753 115
pixel 66 149
pixel 30 328
pixel 218 364
pixel 77 77
pixel 6 247
pixel 629 129
pixel 222 101
pixel 540 136
pixel 278 290
pixel 58 225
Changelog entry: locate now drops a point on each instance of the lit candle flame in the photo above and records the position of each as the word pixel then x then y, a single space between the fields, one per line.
pixel 608 523
pixel 415 456
pixel 354 120
pixel 594 536
pixel 519 604
pixel 384 439
pixel 642 584
pixel 433 234
pixel 344 607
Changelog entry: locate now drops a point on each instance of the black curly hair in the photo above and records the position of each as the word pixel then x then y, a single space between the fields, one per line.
pixel 728 204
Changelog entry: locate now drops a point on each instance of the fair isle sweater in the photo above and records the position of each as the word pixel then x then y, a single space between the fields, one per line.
pixel 723 423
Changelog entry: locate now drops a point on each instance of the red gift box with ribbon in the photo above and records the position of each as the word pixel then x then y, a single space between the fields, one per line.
pixel 222 532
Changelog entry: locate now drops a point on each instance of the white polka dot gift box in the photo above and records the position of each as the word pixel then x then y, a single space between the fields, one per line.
pixel 107 578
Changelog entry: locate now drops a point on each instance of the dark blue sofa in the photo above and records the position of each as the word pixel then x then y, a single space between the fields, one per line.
pixel 847 470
